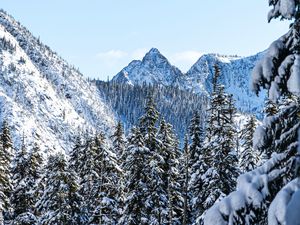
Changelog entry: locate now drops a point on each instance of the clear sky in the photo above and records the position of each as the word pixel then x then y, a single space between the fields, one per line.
pixel 103 36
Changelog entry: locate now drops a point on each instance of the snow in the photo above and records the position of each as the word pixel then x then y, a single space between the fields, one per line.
pixel 252 189
pixel 284 209
pixel 45 99
pixel 284 8
pixel 235 75
pixel 293 82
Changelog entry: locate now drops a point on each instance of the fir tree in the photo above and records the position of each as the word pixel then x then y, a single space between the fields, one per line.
pixel 185 182
pixel 248 158
pixel 164 167
pixel 77 155
pixel 107 198
pixel 119 145
pixel 5 172
pixel 219 154
pixel 60 202
pixel 196 166
pixel 119 141
pixel 19 200
pixel 148 123
pixel 137 186
pixel 26 176
pixel 197 138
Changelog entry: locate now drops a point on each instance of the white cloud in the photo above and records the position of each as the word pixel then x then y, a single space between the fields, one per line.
pixel 112 55
pixel 188 56
pixel 185 59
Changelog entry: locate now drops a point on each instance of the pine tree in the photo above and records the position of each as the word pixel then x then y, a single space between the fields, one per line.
pixel 118 139
pixel 137 186
pixel 35 172
pixel 76 160
pixel 197 139
pixel 20 196
pixel 148 123
pixel 219 153
pixel 89 177
pixel 278 72
pixel 165 170
pixel 119 145
pixel 197 166
pixel 248 158
pixel 60 202
pixel 107 198
pixel 26 176
pixel 6 153
pixel 185 182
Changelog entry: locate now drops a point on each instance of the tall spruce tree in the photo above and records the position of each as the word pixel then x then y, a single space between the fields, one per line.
pixel 185 174
pixel 60 202
pixel 170 200
pixel 278 72
pixel 148 123
pixel 107 197
pixel 26 176
pixel 249 157
pixel 6 154
pixel 119 141
pixel 20 198
pixel 219 153
pixel 137 184
pixel 197 166
pixel 76 160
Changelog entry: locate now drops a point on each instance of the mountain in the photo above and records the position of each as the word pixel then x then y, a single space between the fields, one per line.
pixel 235 76
pixel 42 97
pixel 153 69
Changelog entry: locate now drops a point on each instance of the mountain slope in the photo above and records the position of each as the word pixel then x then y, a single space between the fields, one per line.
pixel 41 95
pixel 235 76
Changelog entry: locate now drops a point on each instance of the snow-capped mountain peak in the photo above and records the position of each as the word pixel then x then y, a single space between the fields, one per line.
pixel 154 68
pixel 235 75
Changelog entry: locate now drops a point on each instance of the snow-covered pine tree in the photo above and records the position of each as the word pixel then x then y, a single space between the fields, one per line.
pixel 26 175
pixel 185 174
pixel 107 197
pixel 278 72
pixel 248 157
pixel 60 202
pixel 119 141
pixel 19 198
pixel 171 198
pixel 219 153
pixel 86 164
pixel 77 155
pixel 197 138
pixel 197 166
pixel 148 123
pixel 137 185
pixel 35 163
pixel 6 154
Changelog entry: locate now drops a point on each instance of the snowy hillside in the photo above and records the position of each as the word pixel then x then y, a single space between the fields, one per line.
pixel 235 75
pixel 41 95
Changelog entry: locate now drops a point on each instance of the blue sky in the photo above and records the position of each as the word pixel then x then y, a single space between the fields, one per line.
pixel 101 37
